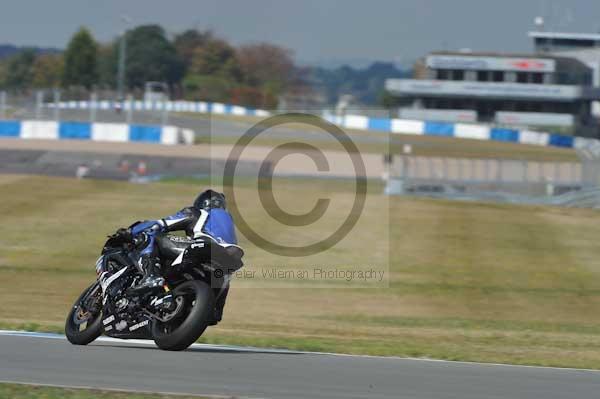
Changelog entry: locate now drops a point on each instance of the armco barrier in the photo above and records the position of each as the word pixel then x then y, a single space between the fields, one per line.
pixel 10 129
pixel 114 132
pixel 397 126
pixel 459 130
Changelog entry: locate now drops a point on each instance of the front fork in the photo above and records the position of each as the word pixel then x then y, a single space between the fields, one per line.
pixel 95 306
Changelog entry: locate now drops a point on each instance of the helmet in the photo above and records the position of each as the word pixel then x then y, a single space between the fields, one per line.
pixel 210 199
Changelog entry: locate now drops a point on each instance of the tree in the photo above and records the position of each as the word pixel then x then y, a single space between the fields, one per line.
pixel 366 85
pixel 3 72
pixel 81 67
pixel 19 70
pixel 253 97
pixel 151 57
pixel 187 42
pixel 266 65
pixel 207 88
pixel 388 100
pixel 216 57
pixel 47 71
pixel 213 71
pixel 107 64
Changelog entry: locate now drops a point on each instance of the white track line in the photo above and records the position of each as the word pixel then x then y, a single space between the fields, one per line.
pixel 144 342
pixel 141 342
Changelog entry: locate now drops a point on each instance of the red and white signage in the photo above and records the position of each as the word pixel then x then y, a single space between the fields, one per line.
pixel 483 63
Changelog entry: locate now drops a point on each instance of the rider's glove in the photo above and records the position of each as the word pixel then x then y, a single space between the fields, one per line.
pixel 124 234
pixel 139 239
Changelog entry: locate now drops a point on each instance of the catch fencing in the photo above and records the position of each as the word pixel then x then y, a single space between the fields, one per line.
pixel 414 174
pixel 50 105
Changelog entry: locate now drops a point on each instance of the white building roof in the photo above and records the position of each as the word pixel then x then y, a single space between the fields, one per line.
pixel 565 35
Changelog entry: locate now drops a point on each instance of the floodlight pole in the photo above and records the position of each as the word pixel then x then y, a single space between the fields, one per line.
pixel 121 69
pixel 122 55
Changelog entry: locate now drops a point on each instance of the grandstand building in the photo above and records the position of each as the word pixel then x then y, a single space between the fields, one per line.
pixel 556 88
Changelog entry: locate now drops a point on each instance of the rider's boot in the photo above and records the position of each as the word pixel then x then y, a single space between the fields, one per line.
pixel 152 278
pixel 219 306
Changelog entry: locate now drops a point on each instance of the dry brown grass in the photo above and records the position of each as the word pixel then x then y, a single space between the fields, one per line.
pixel 27 391
pixel 466 281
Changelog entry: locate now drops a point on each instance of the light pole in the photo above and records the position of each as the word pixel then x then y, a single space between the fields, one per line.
pixel 122 54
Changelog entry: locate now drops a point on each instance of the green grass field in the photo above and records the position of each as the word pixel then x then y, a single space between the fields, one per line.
pixel 18 391
pixel 467 281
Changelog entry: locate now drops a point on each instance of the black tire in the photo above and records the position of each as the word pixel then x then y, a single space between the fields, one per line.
pixel 181 332
pixel 72 329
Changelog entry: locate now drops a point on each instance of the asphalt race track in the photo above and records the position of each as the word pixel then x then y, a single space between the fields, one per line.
pixel 255 373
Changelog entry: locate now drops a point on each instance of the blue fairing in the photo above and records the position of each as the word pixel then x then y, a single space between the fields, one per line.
pixel 178 215
pixel 220 226
pixel 138 228
pixel 146 227
pixel 149 248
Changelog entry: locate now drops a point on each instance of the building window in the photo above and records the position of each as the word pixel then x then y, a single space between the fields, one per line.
pixel 522 77
pixel 537 77
pixel 458 74
pixel 498 76
pixel 482 76
pixel 442 74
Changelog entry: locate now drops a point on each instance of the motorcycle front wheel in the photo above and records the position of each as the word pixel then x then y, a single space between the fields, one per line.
pixel 196 303
pixel 84 322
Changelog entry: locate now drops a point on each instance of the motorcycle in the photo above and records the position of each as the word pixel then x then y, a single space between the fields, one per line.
pixel 175 315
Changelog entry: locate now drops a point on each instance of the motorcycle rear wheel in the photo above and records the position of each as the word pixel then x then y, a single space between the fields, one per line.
pixel 82 326
pixel 185 328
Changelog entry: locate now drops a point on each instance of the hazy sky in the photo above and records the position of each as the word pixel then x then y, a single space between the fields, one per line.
pixel 322 31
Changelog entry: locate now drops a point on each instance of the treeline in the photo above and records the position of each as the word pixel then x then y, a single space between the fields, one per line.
pixel 196 65
pixel 367 85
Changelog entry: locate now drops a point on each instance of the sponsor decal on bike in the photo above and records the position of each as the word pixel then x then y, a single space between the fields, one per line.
pixel 179 239
pixel 108 320
pixel 179 259
pixel 106 281
pixel 139 325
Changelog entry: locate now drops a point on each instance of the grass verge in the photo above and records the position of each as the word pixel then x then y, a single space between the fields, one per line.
pixel 466 281
pixel 22 391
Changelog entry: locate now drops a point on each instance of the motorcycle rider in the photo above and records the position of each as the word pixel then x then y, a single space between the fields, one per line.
pixel 206 219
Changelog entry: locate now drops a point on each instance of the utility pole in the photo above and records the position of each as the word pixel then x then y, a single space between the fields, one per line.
pixel 122 55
